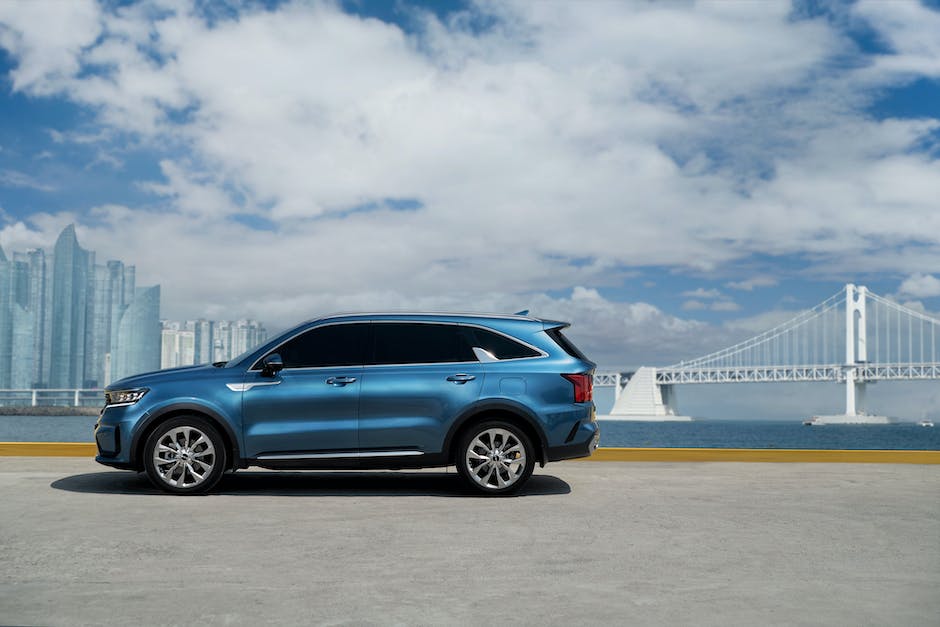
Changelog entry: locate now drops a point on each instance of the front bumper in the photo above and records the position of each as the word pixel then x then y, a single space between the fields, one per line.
pixel 113 435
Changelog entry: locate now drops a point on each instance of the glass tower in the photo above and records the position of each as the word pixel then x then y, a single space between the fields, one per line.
pixel 138 335
pixel 63 319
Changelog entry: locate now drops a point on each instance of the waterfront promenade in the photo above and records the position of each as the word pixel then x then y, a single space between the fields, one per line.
pixel 586 543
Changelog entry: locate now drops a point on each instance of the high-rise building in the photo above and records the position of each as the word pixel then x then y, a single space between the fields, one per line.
pixel 66 322
pixel 177 345
pixel 138 336
pixel 206 341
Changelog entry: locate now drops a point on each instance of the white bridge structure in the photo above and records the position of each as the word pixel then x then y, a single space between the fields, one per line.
pixel 854 337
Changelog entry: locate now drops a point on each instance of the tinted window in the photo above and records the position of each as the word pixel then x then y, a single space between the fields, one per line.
pixel 404 343
pixel 499 346
pixel 334 345
pixel 565 344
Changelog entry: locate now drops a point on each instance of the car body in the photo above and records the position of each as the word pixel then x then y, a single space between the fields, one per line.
pixel 364 390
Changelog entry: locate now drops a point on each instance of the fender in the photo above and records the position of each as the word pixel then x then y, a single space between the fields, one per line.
pixel 216 418
pixel 498 405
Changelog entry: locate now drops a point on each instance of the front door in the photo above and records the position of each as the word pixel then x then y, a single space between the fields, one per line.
pixel 312 405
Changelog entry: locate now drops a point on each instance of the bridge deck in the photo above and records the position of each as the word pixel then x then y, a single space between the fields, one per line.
pixel 771 374
pixel 654 543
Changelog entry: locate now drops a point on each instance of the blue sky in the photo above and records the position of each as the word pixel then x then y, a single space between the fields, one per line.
pixel 671 177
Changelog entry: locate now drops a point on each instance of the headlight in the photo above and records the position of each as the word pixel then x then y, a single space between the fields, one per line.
pixel 124 397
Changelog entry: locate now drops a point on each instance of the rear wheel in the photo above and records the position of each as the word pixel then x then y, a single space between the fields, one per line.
pixel 185 455
pixel 495 457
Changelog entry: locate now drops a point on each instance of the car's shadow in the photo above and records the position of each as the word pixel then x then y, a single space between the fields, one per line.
pixel 310 483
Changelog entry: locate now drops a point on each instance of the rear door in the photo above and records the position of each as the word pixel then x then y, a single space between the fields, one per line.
pixel 418 380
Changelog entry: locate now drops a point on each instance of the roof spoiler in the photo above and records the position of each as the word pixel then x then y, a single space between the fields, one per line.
pixel 554 324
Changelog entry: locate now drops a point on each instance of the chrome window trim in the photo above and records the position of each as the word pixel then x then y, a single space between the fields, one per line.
pixel 484 356
pixel 541 354
pixel 346 455
pixel 450 314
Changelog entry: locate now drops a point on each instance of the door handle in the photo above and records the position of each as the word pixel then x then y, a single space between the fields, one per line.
pixel 461 378
pixel 340 381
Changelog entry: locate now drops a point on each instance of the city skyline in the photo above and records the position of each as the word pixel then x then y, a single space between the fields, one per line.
pixel 69 322
pixel 190 342
pixel 670 177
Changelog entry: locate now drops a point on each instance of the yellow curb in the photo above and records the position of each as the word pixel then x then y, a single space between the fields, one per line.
pixel 47 449
pixel 762 455
pixel 87 449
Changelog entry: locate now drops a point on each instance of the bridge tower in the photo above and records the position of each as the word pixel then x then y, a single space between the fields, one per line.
pixel 643 399
pixel 856 351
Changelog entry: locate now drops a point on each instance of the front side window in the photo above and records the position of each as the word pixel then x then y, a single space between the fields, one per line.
pixel 409 343
pixel 332 345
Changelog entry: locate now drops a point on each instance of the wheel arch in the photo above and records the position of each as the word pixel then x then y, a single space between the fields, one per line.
pixel 186 409
pixel 512 412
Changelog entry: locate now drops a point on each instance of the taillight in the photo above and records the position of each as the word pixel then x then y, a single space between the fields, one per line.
pixel 583 387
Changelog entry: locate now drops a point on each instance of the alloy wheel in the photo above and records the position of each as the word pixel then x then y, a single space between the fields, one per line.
pixel 495 459
pixel 184 457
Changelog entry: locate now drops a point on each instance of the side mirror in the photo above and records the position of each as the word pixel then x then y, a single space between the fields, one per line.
pixel 271 365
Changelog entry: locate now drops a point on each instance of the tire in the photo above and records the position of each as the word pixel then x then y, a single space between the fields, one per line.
pixel 185 455
pixel 495 457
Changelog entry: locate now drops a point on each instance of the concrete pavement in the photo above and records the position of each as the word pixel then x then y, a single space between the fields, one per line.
pixel 586 543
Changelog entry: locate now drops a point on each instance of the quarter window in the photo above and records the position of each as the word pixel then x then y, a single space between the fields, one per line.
pixel 332 345
pixel 499 346
pixel 407 343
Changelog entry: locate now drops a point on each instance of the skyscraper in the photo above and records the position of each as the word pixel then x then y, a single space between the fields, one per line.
pixel 205 341
pixel 66 322
pixel 138 336
pixel 72 271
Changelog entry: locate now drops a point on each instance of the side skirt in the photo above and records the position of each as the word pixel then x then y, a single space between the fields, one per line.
pixel 388 460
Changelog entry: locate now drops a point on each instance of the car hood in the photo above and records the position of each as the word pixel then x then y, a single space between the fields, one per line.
pixel 148 378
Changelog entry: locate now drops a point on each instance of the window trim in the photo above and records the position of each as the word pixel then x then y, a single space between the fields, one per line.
pixel 256 366
pixel 541 353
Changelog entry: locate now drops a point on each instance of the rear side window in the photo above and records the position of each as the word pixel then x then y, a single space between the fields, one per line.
pixel 333 345
pixel 499 346
pixel 565 344
pixel 408 343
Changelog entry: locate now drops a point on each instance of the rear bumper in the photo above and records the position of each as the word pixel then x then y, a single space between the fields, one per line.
pixel 585 444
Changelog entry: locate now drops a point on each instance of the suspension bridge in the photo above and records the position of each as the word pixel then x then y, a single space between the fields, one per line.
pixel 854 337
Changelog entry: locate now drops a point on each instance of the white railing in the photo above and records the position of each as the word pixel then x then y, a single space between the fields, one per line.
pixel 43 397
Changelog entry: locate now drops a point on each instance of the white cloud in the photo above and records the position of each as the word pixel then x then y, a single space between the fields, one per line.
pixel 552 150
pixel 910 29
pixel 725 305
pixel 47 38
pixel 14 178
pixel 716 300
pixel 701 292
pixel 748 285
pixel 920 286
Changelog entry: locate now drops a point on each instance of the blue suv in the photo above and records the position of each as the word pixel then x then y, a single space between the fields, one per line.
pixel 491 395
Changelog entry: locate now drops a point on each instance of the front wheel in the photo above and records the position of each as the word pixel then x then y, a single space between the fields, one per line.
pixel 184 455
pixel 495 457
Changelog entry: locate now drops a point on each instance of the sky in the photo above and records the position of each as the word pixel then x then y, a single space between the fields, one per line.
pixel 670 177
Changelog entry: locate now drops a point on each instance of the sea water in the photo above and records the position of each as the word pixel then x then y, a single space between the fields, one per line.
pixel 697 434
